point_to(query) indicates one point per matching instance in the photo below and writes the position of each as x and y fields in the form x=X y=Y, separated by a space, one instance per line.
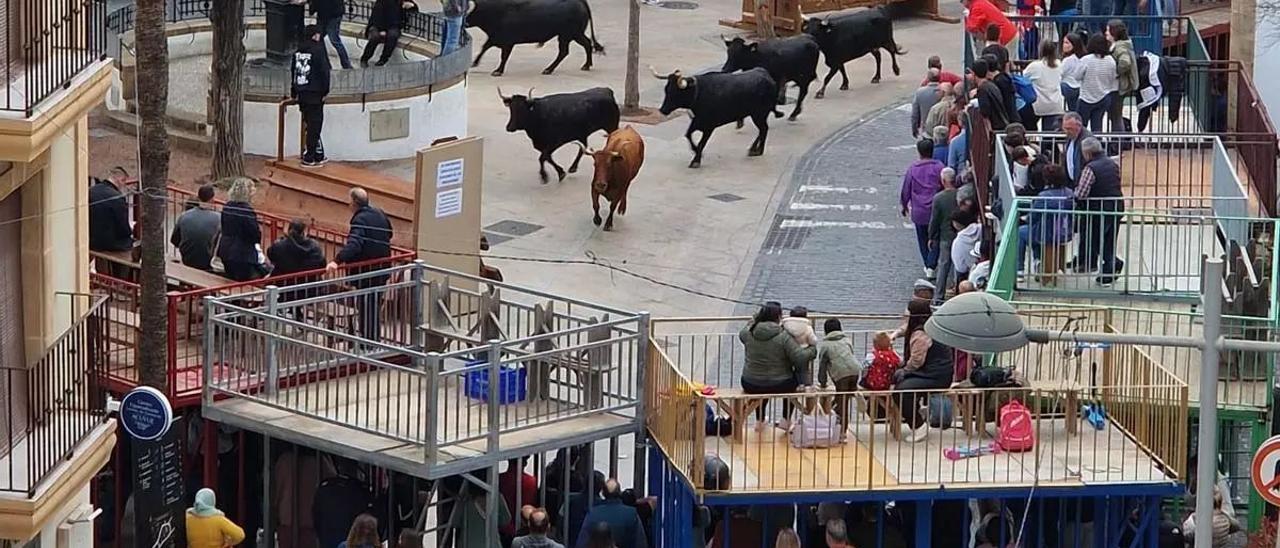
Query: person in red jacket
x=982 y=13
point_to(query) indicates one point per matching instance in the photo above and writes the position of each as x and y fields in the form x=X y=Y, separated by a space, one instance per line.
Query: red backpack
x=1016 y=433
x=879 y=374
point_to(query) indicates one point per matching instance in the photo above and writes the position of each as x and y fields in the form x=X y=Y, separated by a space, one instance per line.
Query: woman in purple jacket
x=922 y=181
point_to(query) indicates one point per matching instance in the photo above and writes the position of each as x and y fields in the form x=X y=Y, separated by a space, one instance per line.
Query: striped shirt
x=1098 y=78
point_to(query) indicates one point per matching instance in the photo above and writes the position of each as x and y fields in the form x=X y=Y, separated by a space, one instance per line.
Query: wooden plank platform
x=873 y=460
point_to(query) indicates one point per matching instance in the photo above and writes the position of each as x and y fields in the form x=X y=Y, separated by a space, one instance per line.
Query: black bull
x=556 y=120
x=716 y=99
x=847 y=37
x=507 y=23
x=793 y=59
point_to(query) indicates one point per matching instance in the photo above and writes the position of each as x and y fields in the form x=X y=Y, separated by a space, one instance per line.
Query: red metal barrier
x=185 y=309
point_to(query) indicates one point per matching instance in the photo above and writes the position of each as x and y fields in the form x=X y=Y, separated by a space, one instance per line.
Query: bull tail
x=898 y=49
x=591 y=23
x=777 y=113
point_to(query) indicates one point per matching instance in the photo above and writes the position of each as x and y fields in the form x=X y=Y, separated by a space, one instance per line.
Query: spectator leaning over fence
x=982 y=13
x=368 y=239
x=195 y=232
x=924 y=99
x=329 y=20
x=1073 y=51
x=1045 y=74
x=838 y=363
x=774 y=361
x=921 y=182
x=1098 y=82
x=384 y=28
x=944 y=76
x=310 y=85
x=1126 y=72
x=1098 y=192
x=942 y=233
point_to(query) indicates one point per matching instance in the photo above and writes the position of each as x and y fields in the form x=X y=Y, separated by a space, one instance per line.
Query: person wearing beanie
x=207 y=526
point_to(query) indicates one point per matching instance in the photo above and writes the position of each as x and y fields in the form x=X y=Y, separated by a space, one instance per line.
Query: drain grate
x=790 y=237
x=726 y=197
x=513 y=228
x=494 y=238
x=678 y=5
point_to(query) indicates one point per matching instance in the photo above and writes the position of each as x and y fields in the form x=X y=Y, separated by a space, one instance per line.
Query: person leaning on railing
x=368 y=239
x=774 y=361
x=1099 y=191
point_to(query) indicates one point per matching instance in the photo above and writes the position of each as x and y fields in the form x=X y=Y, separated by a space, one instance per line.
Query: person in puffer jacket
x=798 y=325
x=837 y=361
x=774 y=361
x=293 y=253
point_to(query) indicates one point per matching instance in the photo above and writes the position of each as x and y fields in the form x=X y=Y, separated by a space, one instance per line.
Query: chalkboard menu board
x=159 y=501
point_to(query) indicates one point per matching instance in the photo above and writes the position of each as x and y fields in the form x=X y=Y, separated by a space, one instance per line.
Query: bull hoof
x=845 y=87
x=755 y=152
x=820 y=95
x=781 y=101
x=560 y=177
x=695 y=164
x=572 y=169
x=740 y=124
x=548 y=71
x=495 y=73
x=596 y=220
x=897 y=72
x=608 y=227
x=586 y=67
x=791 y=118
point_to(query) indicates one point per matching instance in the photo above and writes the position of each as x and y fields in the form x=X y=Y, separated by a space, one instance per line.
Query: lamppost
x=983 y=323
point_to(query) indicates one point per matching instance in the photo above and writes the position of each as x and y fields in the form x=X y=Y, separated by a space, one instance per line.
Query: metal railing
x=48 y=407
x=1148 y=32
x=46 y=45
x=273 y=81
x=185 y=306
x=1123 y=420
x=418 y=363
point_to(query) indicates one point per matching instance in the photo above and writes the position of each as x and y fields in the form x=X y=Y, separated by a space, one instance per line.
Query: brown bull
x=616 y=165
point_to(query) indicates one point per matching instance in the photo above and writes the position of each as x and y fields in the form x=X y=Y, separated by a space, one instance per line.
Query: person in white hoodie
x=968 y=232
x=799 y=327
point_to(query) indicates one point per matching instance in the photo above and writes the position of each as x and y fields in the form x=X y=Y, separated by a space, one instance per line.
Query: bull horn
x=503 y=97
x=655 y=73
x=529 y=93
x=586 y=149
x=723 y=39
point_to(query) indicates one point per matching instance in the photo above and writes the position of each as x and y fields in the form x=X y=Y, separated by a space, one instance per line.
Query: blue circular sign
x=145 y=413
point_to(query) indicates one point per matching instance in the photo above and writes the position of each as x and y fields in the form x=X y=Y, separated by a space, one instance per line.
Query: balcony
x=54 y=430
x=46 y=47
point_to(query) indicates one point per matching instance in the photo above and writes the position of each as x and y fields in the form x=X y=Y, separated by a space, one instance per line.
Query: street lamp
x=982 y=323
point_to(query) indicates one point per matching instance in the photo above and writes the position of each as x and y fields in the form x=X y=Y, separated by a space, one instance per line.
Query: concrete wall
x=346 y=126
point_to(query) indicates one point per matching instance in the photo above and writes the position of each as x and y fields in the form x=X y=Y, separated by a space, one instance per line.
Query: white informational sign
x=448 y=173
x=448 y=203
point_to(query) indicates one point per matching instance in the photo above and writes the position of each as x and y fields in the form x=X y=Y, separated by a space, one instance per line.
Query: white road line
x=905 y=107
x=838 y=189
x=808 y=206
x=806 y=223
x=900 y=147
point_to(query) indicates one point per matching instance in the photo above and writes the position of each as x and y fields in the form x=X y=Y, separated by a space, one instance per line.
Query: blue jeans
x=332 y=28
x=452 y=35
x=929 y=256
x=1072 y=97
x=1093 y=113
x=1024 y=238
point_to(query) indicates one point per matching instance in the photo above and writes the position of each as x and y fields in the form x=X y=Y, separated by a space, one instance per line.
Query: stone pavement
x=838 y=242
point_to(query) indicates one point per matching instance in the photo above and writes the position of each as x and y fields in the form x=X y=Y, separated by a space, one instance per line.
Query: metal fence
x=401 y=374
x=1132 y=429
x=273 y=81
x=50 y=406
x=46 y=45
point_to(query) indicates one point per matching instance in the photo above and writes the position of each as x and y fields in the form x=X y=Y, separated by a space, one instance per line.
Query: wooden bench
x=739 y=406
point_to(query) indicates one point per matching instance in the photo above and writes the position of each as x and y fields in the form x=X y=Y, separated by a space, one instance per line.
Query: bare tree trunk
x=764 y=20
x=153 y=146
x=631 y=96
x=227 y=91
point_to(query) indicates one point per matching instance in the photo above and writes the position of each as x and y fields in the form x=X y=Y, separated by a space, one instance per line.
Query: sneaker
x=784 y=424
x=310 y=164
x=917 y=435
x=321 y=160
x=1105 y=281
x=928 y=273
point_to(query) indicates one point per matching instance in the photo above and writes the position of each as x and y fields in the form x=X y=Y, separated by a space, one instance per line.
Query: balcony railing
x=46 y=46
x=49 y=407
x=1099 y=415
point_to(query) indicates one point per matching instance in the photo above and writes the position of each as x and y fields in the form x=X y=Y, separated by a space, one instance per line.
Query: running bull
x=616 y=166
x=556 y=120
x=507 y=23
x=793 y=59
x=716 y=99
x=844 y=38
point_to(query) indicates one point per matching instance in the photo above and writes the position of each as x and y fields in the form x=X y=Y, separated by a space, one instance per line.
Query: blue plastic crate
x=513 y=383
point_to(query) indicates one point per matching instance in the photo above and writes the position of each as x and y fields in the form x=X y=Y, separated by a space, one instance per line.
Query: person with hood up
x=838 y=362
x=207 y=526
x=310 y=72
x=1126 y=71
x=296 y=252
x=922 y=181
x=774 y=361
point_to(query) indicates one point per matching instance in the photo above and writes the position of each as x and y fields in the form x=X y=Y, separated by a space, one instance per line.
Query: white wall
x=61 y=189
x=1266 y=61
x=79 y=533
x=346 y=126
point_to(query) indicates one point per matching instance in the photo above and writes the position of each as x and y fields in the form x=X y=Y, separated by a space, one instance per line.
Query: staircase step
x=127 y=122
